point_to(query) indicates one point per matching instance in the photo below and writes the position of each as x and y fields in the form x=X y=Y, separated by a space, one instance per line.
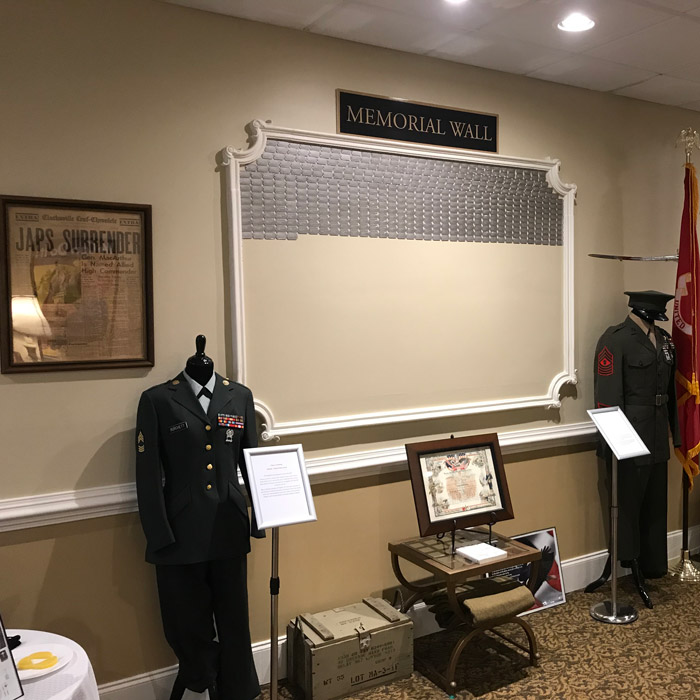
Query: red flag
x=685 y=330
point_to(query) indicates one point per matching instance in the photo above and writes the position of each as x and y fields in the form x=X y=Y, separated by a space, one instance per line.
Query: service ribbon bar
x=231 y=421
x=386 y=118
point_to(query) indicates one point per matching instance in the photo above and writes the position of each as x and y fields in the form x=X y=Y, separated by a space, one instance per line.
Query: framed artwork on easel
x=458 y=483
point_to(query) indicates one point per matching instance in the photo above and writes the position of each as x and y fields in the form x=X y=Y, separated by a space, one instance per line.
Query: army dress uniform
x=639 y=378
x=195 y=519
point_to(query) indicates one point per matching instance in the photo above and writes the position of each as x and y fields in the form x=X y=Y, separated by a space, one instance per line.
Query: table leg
x=419 y=590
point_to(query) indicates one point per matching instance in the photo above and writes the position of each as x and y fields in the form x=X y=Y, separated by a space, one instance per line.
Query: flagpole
x=685 y=569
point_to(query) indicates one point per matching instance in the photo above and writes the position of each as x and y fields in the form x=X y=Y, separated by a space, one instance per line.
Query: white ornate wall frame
x=260 y=135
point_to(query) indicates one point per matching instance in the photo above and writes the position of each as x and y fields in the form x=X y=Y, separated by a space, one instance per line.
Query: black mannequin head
x=649 y=305
x=199 y=366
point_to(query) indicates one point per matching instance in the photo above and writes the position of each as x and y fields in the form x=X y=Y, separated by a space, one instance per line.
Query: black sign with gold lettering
x=385 y=118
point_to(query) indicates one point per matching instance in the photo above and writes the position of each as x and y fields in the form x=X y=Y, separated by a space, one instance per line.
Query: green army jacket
x=639 y=378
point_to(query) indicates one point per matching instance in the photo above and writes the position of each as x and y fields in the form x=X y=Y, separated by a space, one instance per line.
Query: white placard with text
x=279 y=485
x=618 y=432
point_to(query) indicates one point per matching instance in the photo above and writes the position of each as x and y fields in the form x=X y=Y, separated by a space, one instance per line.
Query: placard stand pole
x=608 y=610
x=274 y=594
x=273 y=470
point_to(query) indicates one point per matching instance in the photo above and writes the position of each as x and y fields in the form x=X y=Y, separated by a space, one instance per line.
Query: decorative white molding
x=259 y=132
x=393 y=459
x=577 y=573
x=82 y=504
x=66 y=506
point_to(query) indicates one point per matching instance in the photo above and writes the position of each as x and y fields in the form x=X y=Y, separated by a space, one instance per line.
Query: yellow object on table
x=37 y=660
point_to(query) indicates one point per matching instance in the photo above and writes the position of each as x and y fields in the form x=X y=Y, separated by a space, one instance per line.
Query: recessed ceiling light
x=576 y=22
x=455 y=2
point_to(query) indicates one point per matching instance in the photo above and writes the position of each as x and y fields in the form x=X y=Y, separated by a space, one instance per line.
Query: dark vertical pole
x=274 y=593
x=686 y=491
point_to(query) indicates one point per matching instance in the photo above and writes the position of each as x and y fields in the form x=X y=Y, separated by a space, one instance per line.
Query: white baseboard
x=577 y=573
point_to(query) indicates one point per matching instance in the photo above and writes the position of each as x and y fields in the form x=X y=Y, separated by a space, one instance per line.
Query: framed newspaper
x=76 y=281
x=458 y=483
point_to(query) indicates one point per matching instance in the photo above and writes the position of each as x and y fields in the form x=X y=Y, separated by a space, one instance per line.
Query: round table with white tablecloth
x=71 y=679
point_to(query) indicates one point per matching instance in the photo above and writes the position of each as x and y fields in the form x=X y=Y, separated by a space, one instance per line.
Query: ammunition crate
x=345 y=650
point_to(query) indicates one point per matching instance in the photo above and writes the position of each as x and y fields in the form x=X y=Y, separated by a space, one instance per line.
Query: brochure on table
x=482 y=552
x=618 y=432
x=279 y=485
x=10 y=687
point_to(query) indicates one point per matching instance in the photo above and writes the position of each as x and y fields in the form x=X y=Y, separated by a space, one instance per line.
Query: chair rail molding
x=259 y=134
x=41 y=510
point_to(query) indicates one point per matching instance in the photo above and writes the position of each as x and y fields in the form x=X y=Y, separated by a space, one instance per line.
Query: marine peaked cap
x=649 y=300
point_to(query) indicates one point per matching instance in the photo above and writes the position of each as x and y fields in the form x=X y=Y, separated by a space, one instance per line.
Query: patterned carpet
x=656 y=657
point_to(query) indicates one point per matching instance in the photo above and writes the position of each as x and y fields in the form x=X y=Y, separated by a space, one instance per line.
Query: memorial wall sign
x=395 y=282
x=417 y=122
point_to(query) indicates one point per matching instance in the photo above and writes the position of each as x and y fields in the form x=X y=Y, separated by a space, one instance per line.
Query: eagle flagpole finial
x=689 y=139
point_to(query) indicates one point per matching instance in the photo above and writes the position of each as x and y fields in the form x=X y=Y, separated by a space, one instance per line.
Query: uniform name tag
x=178 y=426
x=229 y=421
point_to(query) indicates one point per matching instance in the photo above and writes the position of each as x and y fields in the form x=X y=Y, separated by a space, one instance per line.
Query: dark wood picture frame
x=76 y=278
x=465 y=453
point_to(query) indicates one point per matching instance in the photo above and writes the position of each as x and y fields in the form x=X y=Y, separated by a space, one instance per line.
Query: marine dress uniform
x=195 y=518
x=637 y=375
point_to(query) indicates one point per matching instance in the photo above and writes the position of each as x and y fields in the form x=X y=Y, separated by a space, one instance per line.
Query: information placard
x=618 y=432
x=279 y=485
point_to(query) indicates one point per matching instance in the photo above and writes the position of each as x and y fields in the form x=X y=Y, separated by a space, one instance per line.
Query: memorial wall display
x=388 y=253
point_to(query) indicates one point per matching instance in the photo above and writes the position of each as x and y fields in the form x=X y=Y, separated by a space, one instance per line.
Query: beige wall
x=366 y=325
x=130 y=100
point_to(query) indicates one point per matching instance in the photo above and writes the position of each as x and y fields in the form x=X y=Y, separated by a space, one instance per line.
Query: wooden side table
x=449 y=572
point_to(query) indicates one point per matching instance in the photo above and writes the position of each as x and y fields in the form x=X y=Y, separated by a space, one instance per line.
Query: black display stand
x=609 y=610
x=624 y=443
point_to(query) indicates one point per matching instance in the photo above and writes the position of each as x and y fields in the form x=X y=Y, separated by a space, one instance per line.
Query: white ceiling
x=647 y=49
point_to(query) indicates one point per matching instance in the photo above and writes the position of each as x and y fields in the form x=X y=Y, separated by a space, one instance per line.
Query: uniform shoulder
x=664 y=332
x=232 y=384
x=158 y=388
x=611 y=330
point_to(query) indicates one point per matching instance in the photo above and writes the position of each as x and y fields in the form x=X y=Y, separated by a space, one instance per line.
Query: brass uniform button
x=208 y=487
x=176 y=382
x=210 y=467
x=207 y=427
x=225 y=382
x=207 y=447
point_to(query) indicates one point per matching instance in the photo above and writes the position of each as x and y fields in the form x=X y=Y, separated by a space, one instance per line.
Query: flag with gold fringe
x=685 y=330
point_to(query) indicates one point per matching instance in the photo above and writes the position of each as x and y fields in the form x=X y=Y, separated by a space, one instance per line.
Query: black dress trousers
x=192 y=598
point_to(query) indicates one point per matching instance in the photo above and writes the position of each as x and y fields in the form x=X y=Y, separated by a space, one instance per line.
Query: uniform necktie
x=204 y=397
